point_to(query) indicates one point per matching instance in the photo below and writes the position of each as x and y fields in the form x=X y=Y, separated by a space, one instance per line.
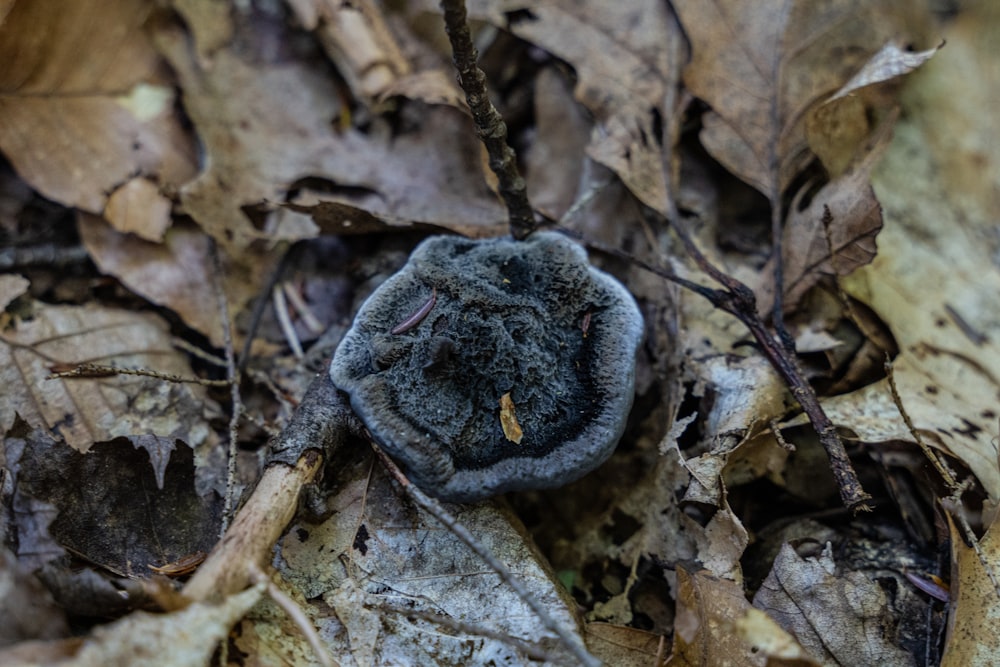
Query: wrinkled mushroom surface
x=478 y=320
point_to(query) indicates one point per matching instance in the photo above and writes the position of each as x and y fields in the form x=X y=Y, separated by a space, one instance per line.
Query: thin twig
x=739 y=300
x=490 y=128
x=197 y=352
x=434 y=508
x=263 y=298
x=285 y=320
x=100 y=370
x=305 y=313
x=531 y=650
x=49 y=255
x=779 y=436
x=946 y=474
x=234 y=389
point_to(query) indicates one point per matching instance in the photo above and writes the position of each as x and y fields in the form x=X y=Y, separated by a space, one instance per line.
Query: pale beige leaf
x=181 y=638
x=889 y=63
x=138 y=207
x=770 y=639
x=953 y=96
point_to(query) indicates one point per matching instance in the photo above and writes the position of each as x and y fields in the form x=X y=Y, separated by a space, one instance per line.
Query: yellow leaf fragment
x=508 y=420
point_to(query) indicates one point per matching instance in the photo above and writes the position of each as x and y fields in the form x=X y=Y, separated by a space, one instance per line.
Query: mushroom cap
x=532 y=319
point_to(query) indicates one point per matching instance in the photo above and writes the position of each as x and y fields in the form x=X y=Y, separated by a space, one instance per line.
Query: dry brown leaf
x=86 y=104
x=432 y=86
x=834 y=235
x=626 y=57
x=837 y=128
x=556 y=158
x=262 y=125
x=341 y=217
x=267 y=125
x=87 y=411
x=178 y=273
x=707 y=609
x=210 y=23
x=763 y=66
x=974 y=613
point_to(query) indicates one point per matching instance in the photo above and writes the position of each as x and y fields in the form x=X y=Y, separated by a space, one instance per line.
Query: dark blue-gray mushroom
x=496 y=365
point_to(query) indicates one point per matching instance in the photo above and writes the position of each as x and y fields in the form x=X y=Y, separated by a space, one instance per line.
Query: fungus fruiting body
x=472 y=341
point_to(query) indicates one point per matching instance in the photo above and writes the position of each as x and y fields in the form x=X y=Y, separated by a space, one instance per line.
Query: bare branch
x=490 y=128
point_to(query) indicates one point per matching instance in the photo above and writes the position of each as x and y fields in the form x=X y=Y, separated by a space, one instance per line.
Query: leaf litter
x=325 y=120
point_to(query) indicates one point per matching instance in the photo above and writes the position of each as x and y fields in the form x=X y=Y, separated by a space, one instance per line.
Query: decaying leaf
x=87 y=411
x=110 y=506
x=378 y=564
x=508 y=420
x=838 y=616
